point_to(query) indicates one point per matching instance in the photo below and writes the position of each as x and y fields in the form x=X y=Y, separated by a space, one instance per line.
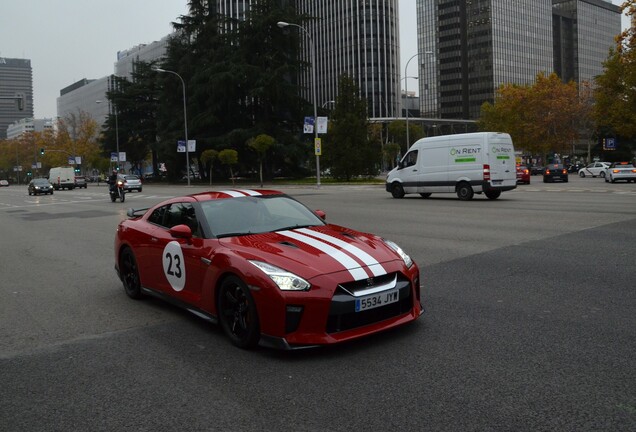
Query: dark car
x=523 y=174
x=536 y=169
x=555 y=172
x=40 y=186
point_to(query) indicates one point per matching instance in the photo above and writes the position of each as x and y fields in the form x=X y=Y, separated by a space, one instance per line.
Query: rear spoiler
x=133 y=213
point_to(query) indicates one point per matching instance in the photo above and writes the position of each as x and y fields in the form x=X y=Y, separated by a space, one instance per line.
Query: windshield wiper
x=234 y=234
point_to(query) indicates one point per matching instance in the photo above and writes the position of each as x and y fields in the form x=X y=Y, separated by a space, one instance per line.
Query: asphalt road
x=530 y=323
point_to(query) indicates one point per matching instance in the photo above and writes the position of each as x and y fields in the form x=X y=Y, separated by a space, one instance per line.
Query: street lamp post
x=283 y=24
x=185 y=118
x=406 y=90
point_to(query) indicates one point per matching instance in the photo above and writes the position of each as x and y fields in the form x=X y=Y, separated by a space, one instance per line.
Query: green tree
x=397 y=132
x=229 y=157
x=347 y=149
x=260 y=145
x=391 y=152
x=207 y=158
x=240 y=81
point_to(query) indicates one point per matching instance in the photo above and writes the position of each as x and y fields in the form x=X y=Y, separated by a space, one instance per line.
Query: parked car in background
x=594 y=169
x=555 y=172
x=40 y=186
x=620 y=171
x=80 y=182
x=523 y=174
x=4 y=183
x=131 y=182
x=536 y=169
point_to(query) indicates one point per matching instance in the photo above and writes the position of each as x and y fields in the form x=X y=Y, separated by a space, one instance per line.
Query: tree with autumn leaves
x=546 y=117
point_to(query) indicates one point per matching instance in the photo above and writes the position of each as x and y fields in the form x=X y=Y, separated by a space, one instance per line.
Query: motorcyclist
x=112 y=181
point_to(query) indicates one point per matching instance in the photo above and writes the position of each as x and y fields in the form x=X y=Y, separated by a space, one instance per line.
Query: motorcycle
x=117 y=191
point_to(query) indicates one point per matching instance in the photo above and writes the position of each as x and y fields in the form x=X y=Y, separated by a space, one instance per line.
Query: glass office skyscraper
x=481 y=44
x=359 y=38
x=16 y=77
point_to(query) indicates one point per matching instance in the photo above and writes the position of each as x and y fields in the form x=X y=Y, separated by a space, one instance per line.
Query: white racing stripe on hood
x=375 y=267
x=345 y=260
x=240 y=193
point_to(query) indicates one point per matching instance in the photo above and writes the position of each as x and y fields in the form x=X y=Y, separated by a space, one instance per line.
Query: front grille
x=342 y=314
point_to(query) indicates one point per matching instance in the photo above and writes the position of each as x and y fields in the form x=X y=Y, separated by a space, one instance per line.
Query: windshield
x=40 y=182
x=256 y=214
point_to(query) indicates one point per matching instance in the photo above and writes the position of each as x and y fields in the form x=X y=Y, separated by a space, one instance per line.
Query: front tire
x=465 y=192
x=130 y=274
x=122 y=196
x=397 y=190
x=237 y=313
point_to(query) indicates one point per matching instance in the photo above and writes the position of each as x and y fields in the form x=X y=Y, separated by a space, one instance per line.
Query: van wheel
x=465 y=192
x=493 y=194
x=425 y=195
x=397 y=190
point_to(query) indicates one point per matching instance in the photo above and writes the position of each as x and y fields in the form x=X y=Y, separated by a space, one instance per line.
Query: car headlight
x=407 y=259
x=285 y=280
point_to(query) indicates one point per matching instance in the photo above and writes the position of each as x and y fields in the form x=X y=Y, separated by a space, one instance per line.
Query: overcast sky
x=67 y=40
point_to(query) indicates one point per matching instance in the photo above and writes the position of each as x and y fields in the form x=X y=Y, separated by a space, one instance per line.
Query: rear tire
x=582 y=174
x=465 y=191
x=602 y=174
x=397 y=190
x=493 y=195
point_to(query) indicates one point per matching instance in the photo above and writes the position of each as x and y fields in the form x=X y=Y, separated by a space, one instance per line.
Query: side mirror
x=321 y=214
x=181 y=231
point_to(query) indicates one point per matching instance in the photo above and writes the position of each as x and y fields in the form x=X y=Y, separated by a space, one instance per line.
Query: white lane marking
x=375 y=267
x=345 y=260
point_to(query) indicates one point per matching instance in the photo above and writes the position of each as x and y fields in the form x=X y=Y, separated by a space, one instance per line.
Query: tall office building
x=359 y=38
x=482 y=44
x=584 y=30
x=16 y=78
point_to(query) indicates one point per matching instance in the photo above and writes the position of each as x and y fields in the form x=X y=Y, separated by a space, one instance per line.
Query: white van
x=464 y=164
x=62 y=178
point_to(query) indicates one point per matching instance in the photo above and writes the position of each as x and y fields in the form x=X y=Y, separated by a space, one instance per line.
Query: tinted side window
x=182 y=214
x=157 y=216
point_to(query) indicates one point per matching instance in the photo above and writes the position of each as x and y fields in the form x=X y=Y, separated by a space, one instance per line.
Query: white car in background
x=594 y=169
x=620 y=171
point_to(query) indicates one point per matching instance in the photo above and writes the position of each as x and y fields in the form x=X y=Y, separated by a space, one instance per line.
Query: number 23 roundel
x=174 y=265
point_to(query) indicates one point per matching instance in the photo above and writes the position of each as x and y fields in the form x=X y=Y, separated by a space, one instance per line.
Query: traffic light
x=77 y=170
x=29 y=173
x=42 y=151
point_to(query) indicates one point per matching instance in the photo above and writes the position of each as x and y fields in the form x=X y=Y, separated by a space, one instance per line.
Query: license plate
x=377 y=300
x=497 y=182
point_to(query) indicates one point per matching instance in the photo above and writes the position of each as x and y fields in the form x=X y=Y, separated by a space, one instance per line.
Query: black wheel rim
x=130 y=273
x=236 y=308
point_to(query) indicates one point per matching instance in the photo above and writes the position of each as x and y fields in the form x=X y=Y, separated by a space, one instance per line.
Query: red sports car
x=267 y=268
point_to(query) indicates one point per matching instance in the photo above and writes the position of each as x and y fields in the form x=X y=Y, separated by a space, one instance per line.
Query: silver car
x=131 y=182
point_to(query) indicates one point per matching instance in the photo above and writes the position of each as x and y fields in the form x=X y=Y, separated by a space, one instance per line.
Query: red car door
x=178 y=264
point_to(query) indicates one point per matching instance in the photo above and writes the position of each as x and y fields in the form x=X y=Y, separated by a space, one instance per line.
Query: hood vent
x=287 y=243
